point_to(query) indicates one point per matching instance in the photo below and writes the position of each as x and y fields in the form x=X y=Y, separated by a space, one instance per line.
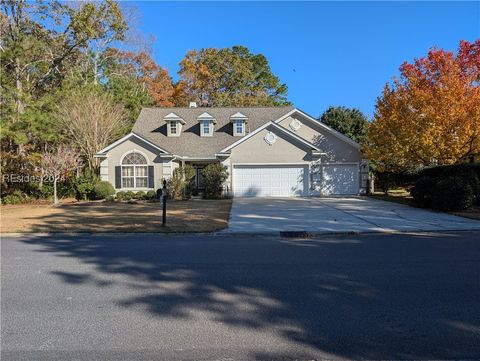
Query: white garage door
x=339 y=179
x=270 y=181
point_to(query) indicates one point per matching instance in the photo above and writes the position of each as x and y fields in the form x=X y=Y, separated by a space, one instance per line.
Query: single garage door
x=339 y=179
x=270 y=181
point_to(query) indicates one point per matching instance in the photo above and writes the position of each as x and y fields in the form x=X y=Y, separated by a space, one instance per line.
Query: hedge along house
x=268 y=151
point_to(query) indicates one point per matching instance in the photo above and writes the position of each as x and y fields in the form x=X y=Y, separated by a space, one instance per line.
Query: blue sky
x=328 y=53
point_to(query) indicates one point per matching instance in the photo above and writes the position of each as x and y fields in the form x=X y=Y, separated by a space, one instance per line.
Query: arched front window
x=134 y=171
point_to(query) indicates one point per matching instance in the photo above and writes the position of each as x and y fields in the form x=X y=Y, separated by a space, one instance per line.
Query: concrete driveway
x=328 y=215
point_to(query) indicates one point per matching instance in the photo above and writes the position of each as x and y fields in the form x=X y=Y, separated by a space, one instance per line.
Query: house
x=268 y=151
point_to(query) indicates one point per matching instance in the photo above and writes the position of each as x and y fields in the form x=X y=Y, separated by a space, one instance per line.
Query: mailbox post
x=164 y=203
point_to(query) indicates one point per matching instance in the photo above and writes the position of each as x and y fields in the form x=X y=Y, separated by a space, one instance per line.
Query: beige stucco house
x=268 y=151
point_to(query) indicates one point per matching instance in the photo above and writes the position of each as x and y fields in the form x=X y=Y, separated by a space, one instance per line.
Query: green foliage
x=139 y=195
x=121 y=196
x=177 y=185
x=110 y=199
x=214 y=176
x=129 y=195
x=349 y=121
x=150 y=195
x=453 y=194
x=85 y=186
x=16 y=197
x=423 y=191
x=389 y=180
x=230 y=77
x=431 y=187
x=103 y=189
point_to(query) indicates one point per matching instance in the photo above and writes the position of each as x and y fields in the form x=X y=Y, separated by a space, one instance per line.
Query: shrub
x=84 y=187
x=453 y=194
x=44 y=191
x=177 y=185
x=470 y=178
x=444 y=171
x=468 y=174
x=110 y=199
x=120 y=195
x=151 y=195
x=388 y=180
x=103 y=189
x=422 y=191
x=214 y=176
x=129 y=195
x=16 y=197
x=139 y=195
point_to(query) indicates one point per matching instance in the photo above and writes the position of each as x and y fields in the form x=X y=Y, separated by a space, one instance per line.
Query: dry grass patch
x=401 y=196
x=98 y=217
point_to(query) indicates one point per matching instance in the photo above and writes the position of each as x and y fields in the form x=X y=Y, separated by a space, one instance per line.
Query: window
x=134 y=171
x=206 y=127
x=173 y=127
x=239 y=126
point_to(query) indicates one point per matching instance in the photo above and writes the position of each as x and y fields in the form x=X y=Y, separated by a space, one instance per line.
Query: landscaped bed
x=98 y=217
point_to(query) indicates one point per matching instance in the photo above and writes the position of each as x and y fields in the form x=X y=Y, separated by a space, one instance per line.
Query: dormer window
x=206 y=127
x=173 y=128
x=239 y=126
x=174 y=124
x=238 y=120
x=206 y=124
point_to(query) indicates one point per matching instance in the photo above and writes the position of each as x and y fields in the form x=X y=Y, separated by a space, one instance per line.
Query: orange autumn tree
x=430 y=114
x=153 y=79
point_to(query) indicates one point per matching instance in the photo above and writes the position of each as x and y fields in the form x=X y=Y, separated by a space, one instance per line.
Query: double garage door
x=292 y=180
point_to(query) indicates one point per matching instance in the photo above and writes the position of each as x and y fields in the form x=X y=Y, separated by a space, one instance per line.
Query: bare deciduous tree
x=58 y=164
x=91 y=122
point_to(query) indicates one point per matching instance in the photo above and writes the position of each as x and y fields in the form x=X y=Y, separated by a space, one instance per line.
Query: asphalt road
x=156 y=297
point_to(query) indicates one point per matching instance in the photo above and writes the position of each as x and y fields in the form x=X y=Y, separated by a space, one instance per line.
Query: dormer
x=206 y=124
x=174 y=124
x=239 y=122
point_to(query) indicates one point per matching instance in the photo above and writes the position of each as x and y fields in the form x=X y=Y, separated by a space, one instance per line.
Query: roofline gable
x=124 y=138
x=322 y=125
x=276 y=126
x=173 y=117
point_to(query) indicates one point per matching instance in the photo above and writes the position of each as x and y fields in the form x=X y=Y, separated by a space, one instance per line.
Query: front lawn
x=98 y=217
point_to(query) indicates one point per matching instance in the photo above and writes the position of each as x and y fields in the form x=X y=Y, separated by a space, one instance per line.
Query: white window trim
x=203 y=123
x=134 y=171
x=236 y=122
x=173 y=125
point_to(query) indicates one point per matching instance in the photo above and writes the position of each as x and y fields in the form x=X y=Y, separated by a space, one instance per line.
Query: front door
x=199 y=181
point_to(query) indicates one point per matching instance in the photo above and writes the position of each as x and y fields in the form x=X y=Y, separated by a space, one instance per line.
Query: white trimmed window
x=239 y=125
x=206 y=127
x=134 y=171
x=173 y=127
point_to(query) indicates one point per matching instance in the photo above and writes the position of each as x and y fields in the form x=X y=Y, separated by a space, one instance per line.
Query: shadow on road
x=394 y=297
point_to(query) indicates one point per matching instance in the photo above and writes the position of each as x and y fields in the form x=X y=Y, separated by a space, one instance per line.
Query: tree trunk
x=55 y=198
x=20 y=108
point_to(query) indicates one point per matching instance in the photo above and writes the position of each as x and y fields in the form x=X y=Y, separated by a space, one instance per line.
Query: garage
x=339 y=179
x=270 y=180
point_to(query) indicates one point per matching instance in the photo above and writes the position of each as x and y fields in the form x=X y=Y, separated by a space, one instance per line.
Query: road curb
x=281 y=234
x=315 y=234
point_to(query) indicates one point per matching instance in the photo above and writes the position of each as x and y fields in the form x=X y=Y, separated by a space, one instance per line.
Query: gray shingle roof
x=151 y=125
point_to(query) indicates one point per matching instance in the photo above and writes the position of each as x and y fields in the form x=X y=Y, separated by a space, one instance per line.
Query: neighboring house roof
x=152 y=126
